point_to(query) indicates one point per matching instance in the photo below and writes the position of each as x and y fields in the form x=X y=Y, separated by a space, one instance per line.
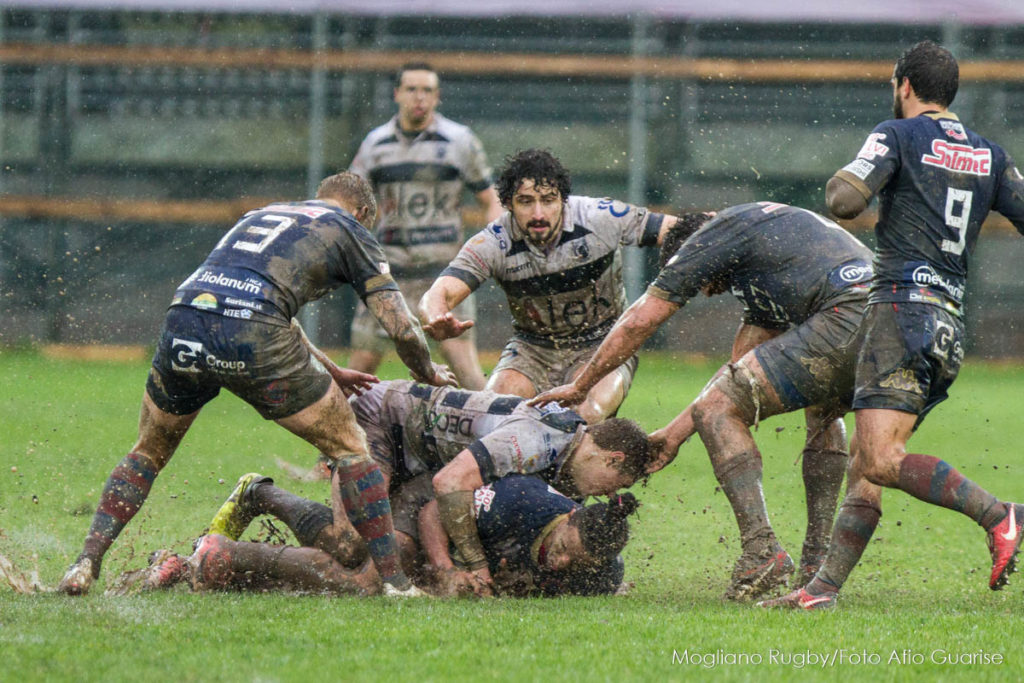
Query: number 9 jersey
x=936 y=182
x=277 y=258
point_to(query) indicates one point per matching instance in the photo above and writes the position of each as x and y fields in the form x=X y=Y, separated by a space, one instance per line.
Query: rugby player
x=802 y=280
x=937 y=181
x=419 y=163
x=557 y=256
x=230 y=325
x=538 y=542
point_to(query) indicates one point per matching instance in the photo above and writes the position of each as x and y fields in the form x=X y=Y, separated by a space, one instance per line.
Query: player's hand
x=442 y=377
x=483 y=585
x=352 y=382
x=567 y=395
x=663 y=451
x=457 y=583
x=446 y=326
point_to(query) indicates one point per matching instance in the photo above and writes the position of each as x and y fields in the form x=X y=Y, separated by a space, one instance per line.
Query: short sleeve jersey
x=936 y=181
x=783 y=263
x=431 y=425
x=572 y=293
x=282 y=256
x=512 y=513
x=419 y=184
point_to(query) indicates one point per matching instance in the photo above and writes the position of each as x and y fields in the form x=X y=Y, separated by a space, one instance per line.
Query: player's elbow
x=843 y=199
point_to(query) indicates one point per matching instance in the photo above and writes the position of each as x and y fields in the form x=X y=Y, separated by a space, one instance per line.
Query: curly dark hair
x=620 y=434
x=687 y=224
x=932 y=70
x=603 y=527
x=538 y=165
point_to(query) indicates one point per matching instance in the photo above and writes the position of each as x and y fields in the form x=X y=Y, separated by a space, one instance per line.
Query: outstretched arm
x=631 y=330
x=351 y=382
x=391 y=311
x=446 y=293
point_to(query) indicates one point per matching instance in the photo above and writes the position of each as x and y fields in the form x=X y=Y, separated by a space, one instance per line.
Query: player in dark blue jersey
x=802 y=280
x=936 y=181
x=230 y=325
x=538 y=542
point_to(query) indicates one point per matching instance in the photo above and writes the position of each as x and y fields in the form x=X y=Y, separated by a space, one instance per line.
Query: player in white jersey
x=419 y=164
x=558 y=258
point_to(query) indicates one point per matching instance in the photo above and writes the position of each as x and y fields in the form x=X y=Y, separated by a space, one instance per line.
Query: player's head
x=687 y=224
x=932 y=72
x=417 y=94
x=612 y=455
x=353 y=193
x=533 y=185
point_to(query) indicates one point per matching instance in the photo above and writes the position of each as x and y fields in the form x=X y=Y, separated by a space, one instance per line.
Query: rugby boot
x=411 y=592
x=1004 y=544
x=801 y=599
x=756 y=573
x=78 y=579
x=209 y=567
x=238 y=510
x=811 y=559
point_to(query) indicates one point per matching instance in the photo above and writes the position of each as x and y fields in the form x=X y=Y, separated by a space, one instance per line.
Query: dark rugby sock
x=855 y=524
x=823 y=472
x=305 y=518
x=124 y=493
x=740 y=479
x=365 y=498
x=935 y=481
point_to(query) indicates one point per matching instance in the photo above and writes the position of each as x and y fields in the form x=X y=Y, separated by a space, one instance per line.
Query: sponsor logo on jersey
x=449 y=424
x=384 y=268
x=855 y=273
x=581 y=250
x=953 y=129
x=959 y=158
x=249 y=286
x=243 y=313
x=231 y=301
x=205 y=301
x=860 y=168
x=499 y=234
x=925 y=276
x=482 y=499
x=873 y=147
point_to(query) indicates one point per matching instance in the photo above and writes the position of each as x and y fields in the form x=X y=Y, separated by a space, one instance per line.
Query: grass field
x=918 y=601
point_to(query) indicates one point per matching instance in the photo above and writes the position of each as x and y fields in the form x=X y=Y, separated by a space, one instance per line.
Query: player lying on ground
x=538 y=542
x=936 y=181
x=230 y=325
x=802 y=280
x=558 y=258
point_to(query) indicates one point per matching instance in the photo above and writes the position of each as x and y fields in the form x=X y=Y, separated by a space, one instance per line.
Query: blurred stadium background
x=134 y=132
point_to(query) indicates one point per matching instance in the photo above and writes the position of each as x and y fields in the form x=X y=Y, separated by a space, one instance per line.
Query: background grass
x=922 y=586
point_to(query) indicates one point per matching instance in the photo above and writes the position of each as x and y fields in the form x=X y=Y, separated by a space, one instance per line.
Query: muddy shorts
x=912 y=353
x=548 y=368
x=407 y=499
x=267 y=366
x=814 y=363
x=368 y=335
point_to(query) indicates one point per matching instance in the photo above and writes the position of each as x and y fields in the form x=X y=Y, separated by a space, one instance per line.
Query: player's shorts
x=549 y=368
x=815 y=362
x=912 y=353
x=368 y=335
x=267 y=366
x=407 y=499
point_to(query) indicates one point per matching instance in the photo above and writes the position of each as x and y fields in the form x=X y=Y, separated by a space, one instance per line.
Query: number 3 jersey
x=279 y=257
x=573 y=293
x=936 y=181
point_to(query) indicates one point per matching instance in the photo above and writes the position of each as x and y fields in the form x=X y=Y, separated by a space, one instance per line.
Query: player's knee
x=880 y=463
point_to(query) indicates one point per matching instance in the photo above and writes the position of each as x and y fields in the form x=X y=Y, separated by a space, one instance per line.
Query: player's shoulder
x=383 y=133
x=452 y=129
x=496 y=237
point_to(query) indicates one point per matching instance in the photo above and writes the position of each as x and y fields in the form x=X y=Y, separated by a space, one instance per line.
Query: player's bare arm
x=631 y=330
x=843 y=199
x=436 y=306
x=394 y=316
x=450 y=580
x=453 y=489
x=351 y=382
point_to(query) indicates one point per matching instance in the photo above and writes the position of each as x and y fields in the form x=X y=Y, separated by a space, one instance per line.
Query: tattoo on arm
x=391 y=311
